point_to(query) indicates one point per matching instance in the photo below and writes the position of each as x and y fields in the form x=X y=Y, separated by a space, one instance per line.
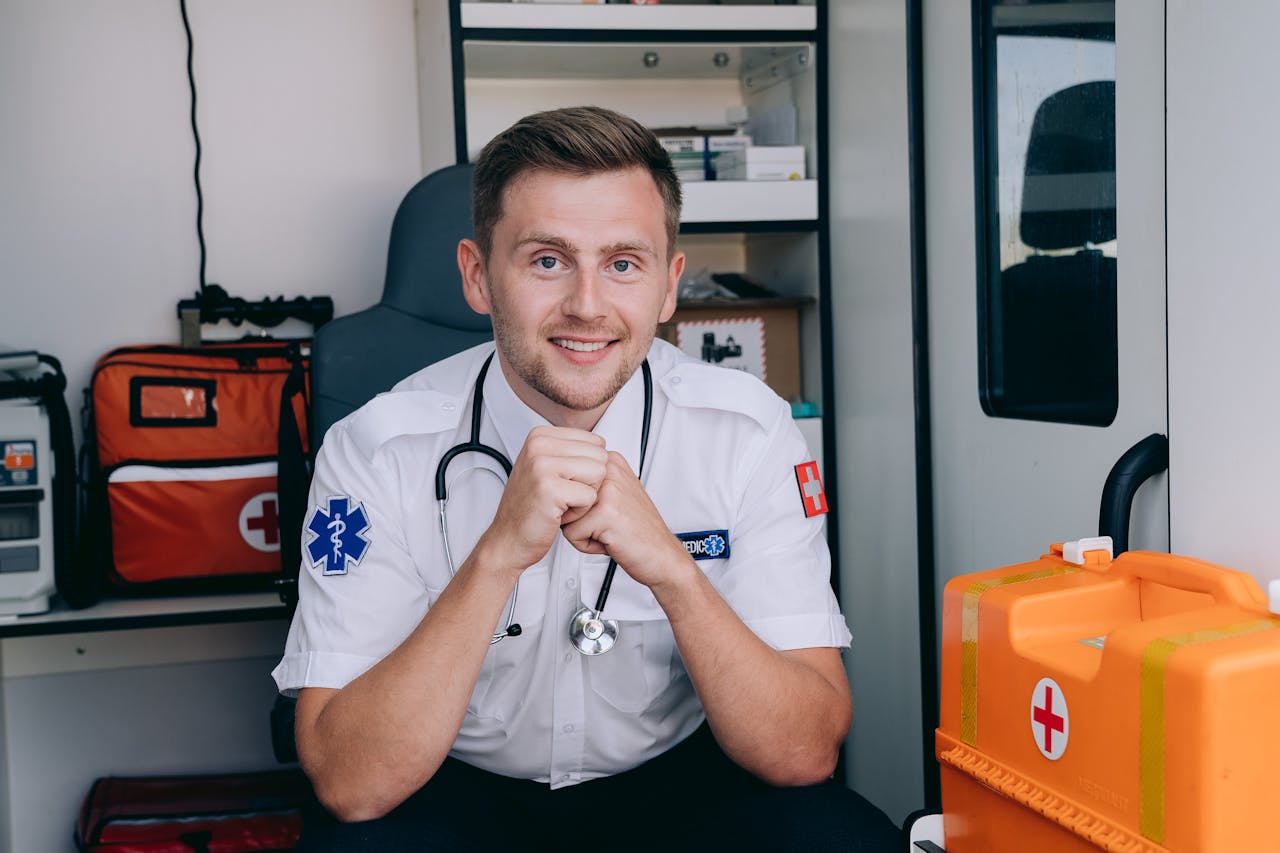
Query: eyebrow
x=569 y=248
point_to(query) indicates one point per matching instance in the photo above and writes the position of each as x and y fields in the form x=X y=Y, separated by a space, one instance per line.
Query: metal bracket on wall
x=787 y=64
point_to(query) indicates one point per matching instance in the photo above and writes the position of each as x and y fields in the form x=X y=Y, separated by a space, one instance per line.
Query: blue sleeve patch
x=339 y=541
x=706 y=544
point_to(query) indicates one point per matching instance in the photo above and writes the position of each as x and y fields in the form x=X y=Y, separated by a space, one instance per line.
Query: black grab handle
x=1139 y=463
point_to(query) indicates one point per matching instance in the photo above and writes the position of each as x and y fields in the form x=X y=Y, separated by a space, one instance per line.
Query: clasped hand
x=566 y=479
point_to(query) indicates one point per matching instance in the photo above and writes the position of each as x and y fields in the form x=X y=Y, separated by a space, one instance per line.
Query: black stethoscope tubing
x=474 y=445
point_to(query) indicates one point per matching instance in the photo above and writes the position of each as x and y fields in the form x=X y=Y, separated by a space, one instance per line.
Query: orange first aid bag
x=1122 y=705
x=199 y=468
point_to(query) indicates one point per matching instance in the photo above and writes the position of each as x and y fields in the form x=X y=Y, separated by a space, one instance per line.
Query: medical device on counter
x=37 y=480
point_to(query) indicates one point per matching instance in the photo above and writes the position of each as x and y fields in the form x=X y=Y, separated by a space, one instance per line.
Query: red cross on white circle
x=260 y=522
x=1050 y=722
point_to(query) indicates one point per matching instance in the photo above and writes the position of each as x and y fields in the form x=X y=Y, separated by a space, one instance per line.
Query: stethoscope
x=588 y=632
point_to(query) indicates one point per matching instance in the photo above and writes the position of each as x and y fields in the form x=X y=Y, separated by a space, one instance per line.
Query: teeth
x=581 y=346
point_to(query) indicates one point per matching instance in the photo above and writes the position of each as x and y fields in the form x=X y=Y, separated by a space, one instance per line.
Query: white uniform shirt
x=722 y=459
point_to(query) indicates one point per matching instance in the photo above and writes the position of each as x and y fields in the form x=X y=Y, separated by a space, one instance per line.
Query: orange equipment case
x=1125 y=705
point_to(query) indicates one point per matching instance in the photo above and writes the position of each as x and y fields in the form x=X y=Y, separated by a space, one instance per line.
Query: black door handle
x=1138 y=464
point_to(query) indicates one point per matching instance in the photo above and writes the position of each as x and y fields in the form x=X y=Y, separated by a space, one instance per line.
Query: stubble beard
x=535 y=373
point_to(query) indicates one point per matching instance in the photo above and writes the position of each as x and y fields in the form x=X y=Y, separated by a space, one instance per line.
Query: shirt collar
x=512 y=420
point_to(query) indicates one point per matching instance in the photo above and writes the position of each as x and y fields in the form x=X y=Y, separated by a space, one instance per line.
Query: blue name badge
x=706 y=544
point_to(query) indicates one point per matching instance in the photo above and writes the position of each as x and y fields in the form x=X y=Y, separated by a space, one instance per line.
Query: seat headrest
x=422 y=269
x=1069 y=195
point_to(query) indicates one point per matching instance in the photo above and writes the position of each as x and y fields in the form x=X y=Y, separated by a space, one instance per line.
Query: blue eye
x=621 y=266
x=547 y=262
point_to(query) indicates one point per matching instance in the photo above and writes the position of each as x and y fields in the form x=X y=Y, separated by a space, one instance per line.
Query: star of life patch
x=812 y=495
x=339 y=541
x=706 y=544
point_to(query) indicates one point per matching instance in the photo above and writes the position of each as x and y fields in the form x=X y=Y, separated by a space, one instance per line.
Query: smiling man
x=638 y=647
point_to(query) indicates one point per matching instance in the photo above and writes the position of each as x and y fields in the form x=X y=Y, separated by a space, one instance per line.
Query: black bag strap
x=293 y=478
x=82 y=584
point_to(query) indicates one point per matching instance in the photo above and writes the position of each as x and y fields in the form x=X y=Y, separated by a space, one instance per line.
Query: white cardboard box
x=762 y=163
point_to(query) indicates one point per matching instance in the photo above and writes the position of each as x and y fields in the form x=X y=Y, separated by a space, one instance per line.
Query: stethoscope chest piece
x=590 y=634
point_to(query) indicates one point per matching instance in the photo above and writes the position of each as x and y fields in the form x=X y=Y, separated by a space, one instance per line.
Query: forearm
x=780 y=715
x=370 y=745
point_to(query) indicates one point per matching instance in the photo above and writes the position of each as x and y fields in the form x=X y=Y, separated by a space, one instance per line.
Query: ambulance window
x=1046 y=203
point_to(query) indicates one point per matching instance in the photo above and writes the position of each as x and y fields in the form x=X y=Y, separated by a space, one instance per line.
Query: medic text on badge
x=706 y=545
x=339 y=536
x=811 y=493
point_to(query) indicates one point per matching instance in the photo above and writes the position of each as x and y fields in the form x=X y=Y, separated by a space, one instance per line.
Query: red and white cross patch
x=811 y=493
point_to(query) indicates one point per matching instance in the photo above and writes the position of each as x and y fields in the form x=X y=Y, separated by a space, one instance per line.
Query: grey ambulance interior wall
x=154 y=701
x=874 y=405
x=1223 y=301
x=308 y=116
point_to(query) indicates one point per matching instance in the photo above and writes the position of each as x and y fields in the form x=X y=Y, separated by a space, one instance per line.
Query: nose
x=586 y=298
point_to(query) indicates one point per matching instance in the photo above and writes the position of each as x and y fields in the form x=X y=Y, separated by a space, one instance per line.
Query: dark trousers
x=690 y=798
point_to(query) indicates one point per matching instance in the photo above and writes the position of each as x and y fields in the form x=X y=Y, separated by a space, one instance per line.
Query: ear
x=474 y=282
x=674 y=270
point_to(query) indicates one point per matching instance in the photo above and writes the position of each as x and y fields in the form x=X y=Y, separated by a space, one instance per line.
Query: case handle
x=1226 y=586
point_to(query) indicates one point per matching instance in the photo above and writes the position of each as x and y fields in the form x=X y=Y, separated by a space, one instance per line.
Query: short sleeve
x=359 y=593
x=778 y=577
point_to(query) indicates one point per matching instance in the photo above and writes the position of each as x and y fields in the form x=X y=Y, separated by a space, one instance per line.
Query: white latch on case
x=1073 y=552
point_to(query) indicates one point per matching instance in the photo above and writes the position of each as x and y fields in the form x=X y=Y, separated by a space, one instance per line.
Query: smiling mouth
x=580 y=346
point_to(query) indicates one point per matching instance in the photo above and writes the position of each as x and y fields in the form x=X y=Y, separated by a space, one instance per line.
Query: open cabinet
x=758 y=66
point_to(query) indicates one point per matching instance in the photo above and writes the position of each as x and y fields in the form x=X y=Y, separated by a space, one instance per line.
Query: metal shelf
x=579 y=16
x=749 y=201
x=118 y=614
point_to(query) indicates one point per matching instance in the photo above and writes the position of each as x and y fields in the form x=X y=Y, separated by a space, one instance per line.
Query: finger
x=582 y=533
x=574 y=497
x=566 y=435
x=588 y=546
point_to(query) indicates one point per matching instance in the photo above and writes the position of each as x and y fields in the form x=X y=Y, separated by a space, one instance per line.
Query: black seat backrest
x=422 y=316
x=1057 y=327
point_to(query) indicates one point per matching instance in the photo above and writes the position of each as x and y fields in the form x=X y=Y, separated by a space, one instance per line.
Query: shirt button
x=568 y=657
x=675 y=380
x=448 y=405
x=571 y=583
x=568 y=728
x=564 y=778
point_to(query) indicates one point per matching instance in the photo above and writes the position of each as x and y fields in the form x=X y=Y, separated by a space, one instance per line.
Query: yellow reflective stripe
x=969 y=642
x=1151 y=731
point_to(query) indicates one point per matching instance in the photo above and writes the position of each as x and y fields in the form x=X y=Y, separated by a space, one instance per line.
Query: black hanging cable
x=195 y=131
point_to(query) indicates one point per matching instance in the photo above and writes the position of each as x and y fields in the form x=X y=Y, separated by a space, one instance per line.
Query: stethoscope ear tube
x=588 y=633
x=442 y=469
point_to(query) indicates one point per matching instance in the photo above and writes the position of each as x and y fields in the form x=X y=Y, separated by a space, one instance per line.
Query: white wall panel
x=309 y=121
x=1223 y=348
x=874 y=401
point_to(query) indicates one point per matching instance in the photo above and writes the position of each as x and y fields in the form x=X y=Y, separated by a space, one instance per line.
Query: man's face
x=576 y=281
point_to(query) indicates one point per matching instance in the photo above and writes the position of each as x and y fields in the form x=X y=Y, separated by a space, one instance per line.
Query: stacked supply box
x=696 y=157
x=762 y=163
x=1123 y=705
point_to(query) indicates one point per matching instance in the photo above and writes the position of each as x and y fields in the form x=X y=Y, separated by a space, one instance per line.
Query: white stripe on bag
x=153 y=473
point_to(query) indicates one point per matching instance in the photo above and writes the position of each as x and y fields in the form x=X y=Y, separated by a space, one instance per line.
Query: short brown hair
x=576 y=140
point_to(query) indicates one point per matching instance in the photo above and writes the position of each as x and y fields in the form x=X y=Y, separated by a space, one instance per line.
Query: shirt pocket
x=508 y=663
x=637 y=671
